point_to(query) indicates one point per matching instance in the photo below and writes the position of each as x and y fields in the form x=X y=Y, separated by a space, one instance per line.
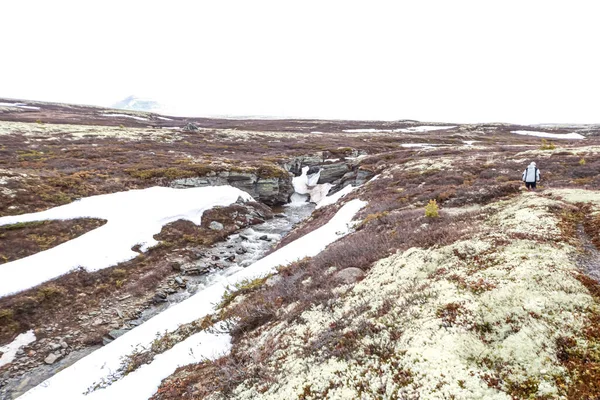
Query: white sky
x=522 y=61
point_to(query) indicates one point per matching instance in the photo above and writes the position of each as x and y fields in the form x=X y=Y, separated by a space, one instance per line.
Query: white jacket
x=531 y=174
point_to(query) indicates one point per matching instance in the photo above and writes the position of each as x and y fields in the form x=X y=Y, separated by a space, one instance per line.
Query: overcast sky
x=522 y=61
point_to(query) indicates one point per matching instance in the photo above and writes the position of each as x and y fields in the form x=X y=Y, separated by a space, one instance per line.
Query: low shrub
x=432 y=209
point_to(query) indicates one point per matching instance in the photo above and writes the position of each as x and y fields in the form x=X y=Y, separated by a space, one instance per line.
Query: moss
x=243 y=287
x=30 y=155
x=49 y=294
x=22 y=225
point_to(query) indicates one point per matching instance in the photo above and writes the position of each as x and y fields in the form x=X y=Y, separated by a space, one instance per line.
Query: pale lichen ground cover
x=475 y=319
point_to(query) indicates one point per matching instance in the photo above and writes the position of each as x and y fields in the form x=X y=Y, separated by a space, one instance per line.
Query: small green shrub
x=49 y=294
x=547 y=145
x=582 y=161
x=432 y=209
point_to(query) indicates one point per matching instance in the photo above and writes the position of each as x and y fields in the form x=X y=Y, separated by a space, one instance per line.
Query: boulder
x=333 y=172
x=349 y=275
x=52 y=358
x=216 y=226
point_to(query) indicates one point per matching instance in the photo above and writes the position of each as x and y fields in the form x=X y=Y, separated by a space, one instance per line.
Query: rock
x=243 y=237
x=117 y=333
x=280 y=215
x=160 y=297
x=333 y=172
x=216 y=226
x=98 y=322
x=349 y=275
x=179 y=281
x=265 y=238
x=215 y=258
x=190 y=127
x=54 y=346
x=52 y=358
x=231 y=258
x=273 y=280
x=175 y=265
x=272 y=191
x=241 y=251
x=64 y=344
x=106 y=340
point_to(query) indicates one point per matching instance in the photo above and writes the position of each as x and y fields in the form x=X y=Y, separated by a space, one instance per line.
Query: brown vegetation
x=24 y=239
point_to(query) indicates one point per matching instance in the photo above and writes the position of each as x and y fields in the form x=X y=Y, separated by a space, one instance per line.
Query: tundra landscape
x=145 y=256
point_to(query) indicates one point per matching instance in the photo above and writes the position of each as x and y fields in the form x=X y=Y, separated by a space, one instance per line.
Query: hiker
x=531 y=176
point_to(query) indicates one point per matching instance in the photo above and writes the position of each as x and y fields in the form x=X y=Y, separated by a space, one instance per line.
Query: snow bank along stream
x=134 y=217
x=72 y=382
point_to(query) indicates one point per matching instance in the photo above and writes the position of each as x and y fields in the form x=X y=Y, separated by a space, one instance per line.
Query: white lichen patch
x=429 y=164
x=477 y=319
x=577 y=195
x=42 y=132
x=538 y=153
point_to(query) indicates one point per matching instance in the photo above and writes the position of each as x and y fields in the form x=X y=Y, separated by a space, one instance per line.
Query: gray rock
x=64 y=344
x=106 y=340
x=332 y=172
x=52 y=358
x=190 y=127
x=216 y=226
x=117 y=333
x=265 y=238
x=54 y=346
x=272 y=191
x=175 y=265
x=179 y=281
x=349 y=275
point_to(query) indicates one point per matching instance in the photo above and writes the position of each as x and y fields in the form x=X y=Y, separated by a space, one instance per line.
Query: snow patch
x=412 y=129
x=419 y=145
x=125 y=116
x=10 y=350
x=164 y=118
x=73 y=381
x=571 y=135
x=335 y=197
x=134 y=217
x=19 y=105
x=307 y=185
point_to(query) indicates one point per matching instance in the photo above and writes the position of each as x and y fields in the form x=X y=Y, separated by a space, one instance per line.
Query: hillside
x=203 y=272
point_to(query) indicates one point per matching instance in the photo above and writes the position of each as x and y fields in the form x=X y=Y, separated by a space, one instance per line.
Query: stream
x=237 y=252
x=240 y=250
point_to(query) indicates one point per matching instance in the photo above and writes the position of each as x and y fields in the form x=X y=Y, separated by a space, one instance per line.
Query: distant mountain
x=137 y=104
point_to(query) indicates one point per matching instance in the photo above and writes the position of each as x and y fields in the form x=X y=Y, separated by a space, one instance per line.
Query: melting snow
x=307 y=185
x=10 y=350
x=571 y=135
x=142 y=383
x=125 y=116
x=134 y=217
x=412 y=129
x=335 y=197
x=164 y=118
x=421 y=145
x=19 y=105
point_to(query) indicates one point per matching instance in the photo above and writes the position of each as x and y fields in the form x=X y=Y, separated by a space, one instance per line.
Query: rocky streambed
x=192 y=274
x=223 y=259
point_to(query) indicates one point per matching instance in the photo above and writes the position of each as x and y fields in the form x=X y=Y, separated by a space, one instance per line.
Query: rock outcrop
x=271 y=191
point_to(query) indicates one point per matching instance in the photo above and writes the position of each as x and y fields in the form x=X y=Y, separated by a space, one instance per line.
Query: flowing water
x=223 y=259
x=237 y=252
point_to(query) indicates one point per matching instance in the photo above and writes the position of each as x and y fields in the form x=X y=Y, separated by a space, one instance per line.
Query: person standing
x=531 y=176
